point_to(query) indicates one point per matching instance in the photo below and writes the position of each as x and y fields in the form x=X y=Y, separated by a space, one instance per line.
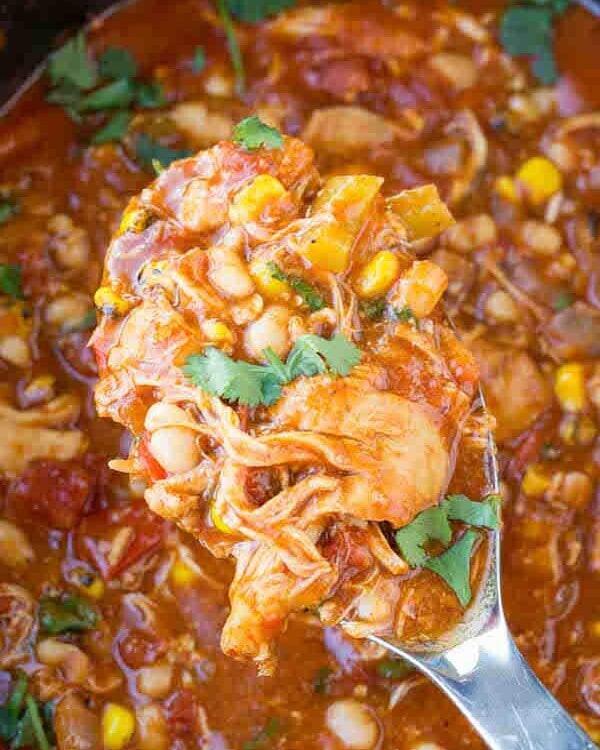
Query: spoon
x=480 y=669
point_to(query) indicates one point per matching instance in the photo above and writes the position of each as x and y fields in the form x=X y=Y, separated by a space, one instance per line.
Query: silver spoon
x=480 y=669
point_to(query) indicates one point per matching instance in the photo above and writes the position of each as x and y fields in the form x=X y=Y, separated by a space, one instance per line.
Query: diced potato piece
x=250 y=203
x=378 y=275
x=536 y=481
x=569 y=386
x=540 y=179
x=265 y=282
x=421 y=288
x=327 y=246
x=421 y=211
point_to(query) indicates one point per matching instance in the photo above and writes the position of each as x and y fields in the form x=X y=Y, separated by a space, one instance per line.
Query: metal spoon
x=479 y=667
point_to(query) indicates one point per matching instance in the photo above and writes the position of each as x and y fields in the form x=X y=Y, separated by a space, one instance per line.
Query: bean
x=175 y=449
x=353 y=723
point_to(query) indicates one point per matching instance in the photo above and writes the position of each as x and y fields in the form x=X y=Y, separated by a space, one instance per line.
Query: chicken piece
x=33 y=434
x=17 y=619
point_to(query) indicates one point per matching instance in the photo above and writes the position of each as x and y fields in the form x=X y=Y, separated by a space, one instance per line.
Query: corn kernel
x=327 y=246
x=378 y=275
x=540 y=179
x=118 y=725
x=110 y=303
x=216 y=330
x=505 y=187
x=182 y=574
x=249 y=204
x=265 y=282
x=569 y=386
x=218 y=520
x=136 y=220
x=93 y=587
x=422 y=212
x=536 y=481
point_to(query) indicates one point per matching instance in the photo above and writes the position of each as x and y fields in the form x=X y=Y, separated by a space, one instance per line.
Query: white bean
x=229 y=273
x=471 y=233
x=152 y=732
x=165 y=415
x=71 y=660
x=353 y=723
x=15 y=350
x=175 y=449
x=540 y=237
x=270 y=330
x=15 y=550
x=68 y=309
x=155 y=681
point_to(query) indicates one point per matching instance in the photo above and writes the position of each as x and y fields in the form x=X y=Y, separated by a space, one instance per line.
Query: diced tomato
x=154 y=469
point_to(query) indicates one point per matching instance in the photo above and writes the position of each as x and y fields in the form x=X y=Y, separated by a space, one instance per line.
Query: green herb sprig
x=67 y=614
x=311 y=297
x=252 y=133
x=527 y=28
x=11 y=282
x=252 y=385
x=24 y=722
x=433 y=524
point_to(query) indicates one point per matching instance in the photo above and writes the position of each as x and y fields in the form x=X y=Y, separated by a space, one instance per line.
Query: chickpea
x=540 y=238
x=15 y=350
x=458 y=70
x=71 y=660
x=472 y=233
x=248 y=310
x=270 y=330
x=15 y=550
x=161 y=414
x=67 y=310
x=152 y=732
x=500 y=307
x=199 y=210
x=175 y=449
x=155 y=681
x=229 y=273
x=71 y=243
x=353 y=723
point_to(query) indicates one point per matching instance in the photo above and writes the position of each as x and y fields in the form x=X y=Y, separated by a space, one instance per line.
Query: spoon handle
x=493 y=686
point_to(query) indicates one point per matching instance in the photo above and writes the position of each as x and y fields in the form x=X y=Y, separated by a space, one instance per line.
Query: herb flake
x=11 y=282
x=67 y=614
x=454 y=566
x=310 y=296
x=252 y=133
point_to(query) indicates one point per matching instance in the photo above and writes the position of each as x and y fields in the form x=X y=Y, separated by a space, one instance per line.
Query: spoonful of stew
x=300 y=403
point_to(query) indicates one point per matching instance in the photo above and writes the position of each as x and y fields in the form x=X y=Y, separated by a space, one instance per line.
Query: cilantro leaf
x=253 y=11
x=148 y=151
x=199 y=60
x=9 y=207
x=430 y=524
x=405 y=315
x=117 y=62
x=114 y=130
x=114 y=95
x=454 y=566
x=525 y=29
x=393 y=669
x=309 y=294
x=373 y=309
x=563 y=300
x=37 y=726
x=11 y=281
x=484 y=513
x=71 y=64
x=68 y=614
x=544 y=66
x=10 y=711
x=150 y=95
x=249 y=384
x=252 y=133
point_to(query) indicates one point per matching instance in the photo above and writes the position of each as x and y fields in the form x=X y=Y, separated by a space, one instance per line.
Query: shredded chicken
x=295 y=493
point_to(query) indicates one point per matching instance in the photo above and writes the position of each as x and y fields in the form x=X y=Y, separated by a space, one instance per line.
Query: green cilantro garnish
x=199 y=60
x=72 y=65
x=251 y=385
x=67 y=614
x=116 y=95
x=454 y=566
x=405 y=315
x=252 y=133
x=237 y=61
x=393 y=669
x=309 y=294
x=9 y=207
x=114 y=129
x=21 y=721
x=373 y=309
x=433 y=524
x=11 y=281
x=117 y=62
x=526 y=28
x=270 y=730
x=150 y=95
x=149 y=153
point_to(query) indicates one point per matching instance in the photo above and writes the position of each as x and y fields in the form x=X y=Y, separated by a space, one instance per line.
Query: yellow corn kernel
x=421 y=288
x=540 y=179
x=110 y=303
x=216 y=330
x=136 y=219
x=118 y=726
x=266 y=283
x=505 y=187
x=569 y=386
x=182 y=574
x=218 y=521
x=327 y=246
x=536 y=481
x=422 y=212
x=249 y=204
x=378 y=275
